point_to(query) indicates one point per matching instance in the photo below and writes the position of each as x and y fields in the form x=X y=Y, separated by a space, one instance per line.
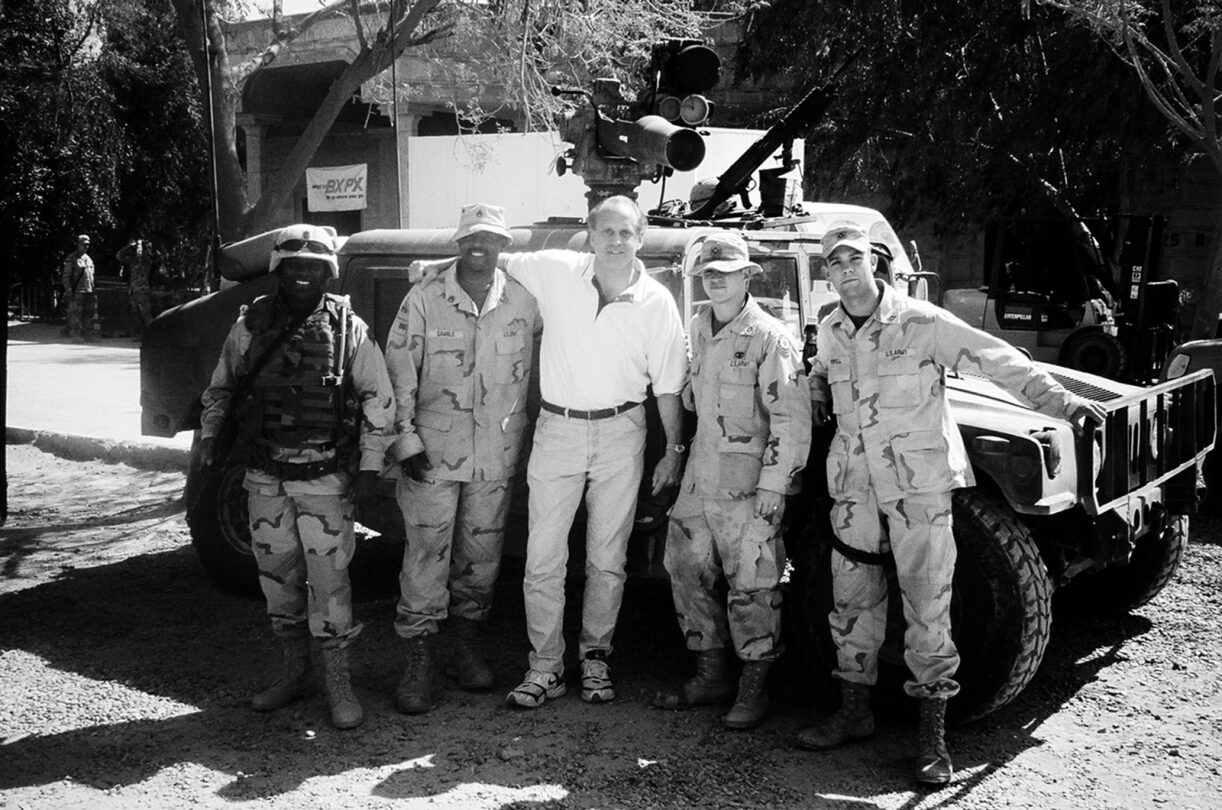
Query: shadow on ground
x=153 y=632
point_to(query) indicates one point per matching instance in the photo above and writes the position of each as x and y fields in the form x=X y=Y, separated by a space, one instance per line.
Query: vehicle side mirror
x=914 y=255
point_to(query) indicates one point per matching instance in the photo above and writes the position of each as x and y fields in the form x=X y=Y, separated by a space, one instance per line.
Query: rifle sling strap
x=858 y=555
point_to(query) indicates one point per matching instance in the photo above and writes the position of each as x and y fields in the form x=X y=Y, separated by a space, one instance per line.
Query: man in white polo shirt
x=610 y=332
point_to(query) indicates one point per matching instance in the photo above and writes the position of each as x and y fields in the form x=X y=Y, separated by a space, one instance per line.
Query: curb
x=88 y=448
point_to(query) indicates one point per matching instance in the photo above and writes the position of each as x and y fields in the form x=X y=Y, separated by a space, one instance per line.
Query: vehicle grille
x=1085 y=389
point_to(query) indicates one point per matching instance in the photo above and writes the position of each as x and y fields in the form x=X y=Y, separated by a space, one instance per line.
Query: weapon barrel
x=652 y=139
x=803 y=114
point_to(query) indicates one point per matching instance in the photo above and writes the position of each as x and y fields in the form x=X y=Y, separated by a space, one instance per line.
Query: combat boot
x=933 y=765
x=852 y=721
x=346 y=711
x=710 y=686
x=414 y=694
x=751 y=705
x=473 y=671
x=295 y=679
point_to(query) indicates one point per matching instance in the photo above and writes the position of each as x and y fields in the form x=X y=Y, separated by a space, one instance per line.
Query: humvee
x=1105 y=512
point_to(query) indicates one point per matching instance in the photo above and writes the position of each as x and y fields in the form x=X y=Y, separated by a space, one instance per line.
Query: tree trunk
x=280 y=189
x=230 y=183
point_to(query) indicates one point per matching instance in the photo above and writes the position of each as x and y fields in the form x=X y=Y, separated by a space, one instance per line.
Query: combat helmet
x=305 y=242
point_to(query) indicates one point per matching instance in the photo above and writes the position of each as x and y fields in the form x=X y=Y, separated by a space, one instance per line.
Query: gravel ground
x=124 y=675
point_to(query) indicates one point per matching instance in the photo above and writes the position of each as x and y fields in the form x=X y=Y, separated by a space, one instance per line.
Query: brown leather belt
x=601 y=413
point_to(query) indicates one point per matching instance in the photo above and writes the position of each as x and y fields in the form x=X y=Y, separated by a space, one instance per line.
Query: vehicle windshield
x=775 y=290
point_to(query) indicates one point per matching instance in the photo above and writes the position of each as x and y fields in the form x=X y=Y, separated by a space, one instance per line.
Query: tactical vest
x=301 y=398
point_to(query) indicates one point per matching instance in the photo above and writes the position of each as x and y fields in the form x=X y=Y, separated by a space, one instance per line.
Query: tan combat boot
x=414 y=694
x=710 y=686
x=751 y=705
x=295 y=681
x=473 y=671
x=933 y=765
x=852 y=721
x=346 y=711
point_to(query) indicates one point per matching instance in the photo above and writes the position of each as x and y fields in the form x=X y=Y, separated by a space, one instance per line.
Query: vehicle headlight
x=1178 y=366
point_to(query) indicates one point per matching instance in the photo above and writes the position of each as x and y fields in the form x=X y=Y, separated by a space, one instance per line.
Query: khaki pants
x=608 y=454
x=919 y=528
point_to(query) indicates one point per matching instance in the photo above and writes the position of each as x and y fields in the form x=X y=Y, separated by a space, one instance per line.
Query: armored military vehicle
x=1104 y=512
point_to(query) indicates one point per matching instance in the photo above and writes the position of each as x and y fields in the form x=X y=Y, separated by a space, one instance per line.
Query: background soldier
x=138 y=256
x=460 y=357
x=752 y=404
x=880 y=365
x=81 y=302
x=320 y=407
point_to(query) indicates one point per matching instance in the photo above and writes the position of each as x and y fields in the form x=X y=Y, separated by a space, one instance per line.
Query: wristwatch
x=678 y=448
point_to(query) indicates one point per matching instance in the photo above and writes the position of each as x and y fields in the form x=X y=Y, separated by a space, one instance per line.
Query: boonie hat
x=304 y=242
x=479 y=217
x=845 y=232
x=725 y=253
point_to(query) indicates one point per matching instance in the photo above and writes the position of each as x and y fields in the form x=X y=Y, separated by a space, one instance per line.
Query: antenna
x=214 y=247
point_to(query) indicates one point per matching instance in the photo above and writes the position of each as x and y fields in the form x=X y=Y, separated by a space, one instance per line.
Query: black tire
x=220 y=526
x=1118 y=589
x=1000 y=609
x=1095 y=353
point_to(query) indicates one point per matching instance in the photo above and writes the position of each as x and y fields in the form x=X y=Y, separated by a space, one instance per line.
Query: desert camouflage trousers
x=918 y=530
x=141 y=301
x=709 y=539
x=81 y=312
x=452 y=555
x=303 y=544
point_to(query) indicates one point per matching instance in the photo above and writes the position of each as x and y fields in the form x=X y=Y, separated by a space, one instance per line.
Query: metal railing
x=34 y=302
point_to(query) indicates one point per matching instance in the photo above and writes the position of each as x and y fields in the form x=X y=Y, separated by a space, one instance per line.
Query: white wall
x=517 y=171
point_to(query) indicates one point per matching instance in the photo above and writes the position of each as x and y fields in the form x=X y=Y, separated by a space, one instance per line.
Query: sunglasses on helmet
x=310 y=245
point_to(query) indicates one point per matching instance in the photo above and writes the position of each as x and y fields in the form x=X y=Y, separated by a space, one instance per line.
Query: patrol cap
x=479 y=217
x=304 y=242
x=848 y=233
x=725 y=253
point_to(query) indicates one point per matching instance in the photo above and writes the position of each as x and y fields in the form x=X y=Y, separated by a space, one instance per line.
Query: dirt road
x=123 y=676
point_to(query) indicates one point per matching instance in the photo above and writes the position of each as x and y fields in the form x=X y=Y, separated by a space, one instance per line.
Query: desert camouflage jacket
x=752 y=406
x=460 y=377
x=76 y=275
x=887 y=385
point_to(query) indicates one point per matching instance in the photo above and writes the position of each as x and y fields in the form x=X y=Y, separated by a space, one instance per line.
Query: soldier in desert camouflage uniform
x=138 y=256
x=317 y=423
x=459 y=355
x=80 y=299
x=752 y=403
x=880 y=365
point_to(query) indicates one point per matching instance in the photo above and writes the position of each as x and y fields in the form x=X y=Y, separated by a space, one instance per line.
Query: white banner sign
x=336 y=188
